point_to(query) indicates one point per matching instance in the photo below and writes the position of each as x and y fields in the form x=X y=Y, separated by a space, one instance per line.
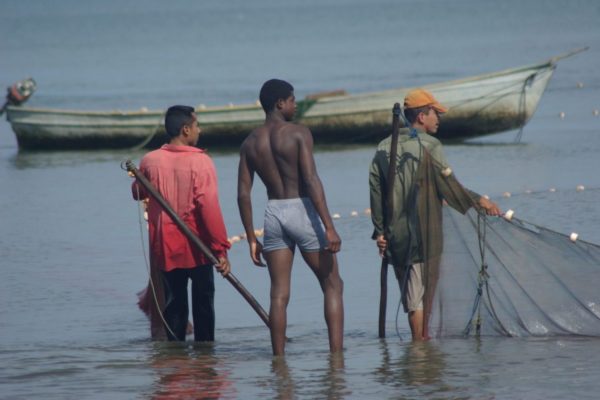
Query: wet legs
x=280 y=269
x=324 y=266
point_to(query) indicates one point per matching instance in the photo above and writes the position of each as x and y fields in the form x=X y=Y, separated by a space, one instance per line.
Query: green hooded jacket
x=402 y=230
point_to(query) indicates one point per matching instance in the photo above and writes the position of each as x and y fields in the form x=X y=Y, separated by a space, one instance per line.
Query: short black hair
x=176 y=117
x=272 y=91
x=411 y=113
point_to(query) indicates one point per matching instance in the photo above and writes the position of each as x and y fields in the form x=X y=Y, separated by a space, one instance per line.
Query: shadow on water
x=31 y=159
x=53 y=159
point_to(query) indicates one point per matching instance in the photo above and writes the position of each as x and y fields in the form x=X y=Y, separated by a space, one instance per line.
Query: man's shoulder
x=295 y=125
x=385 y=144
x=153 y=153
x=407 y=143
x=166 y=156
x=292 y=129
x=288 y=128
x=152 y=156
x=387 y=141
x=252 y=137
x=429 y=139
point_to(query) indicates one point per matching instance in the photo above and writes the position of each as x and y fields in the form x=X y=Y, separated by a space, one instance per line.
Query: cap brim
x=439 y=108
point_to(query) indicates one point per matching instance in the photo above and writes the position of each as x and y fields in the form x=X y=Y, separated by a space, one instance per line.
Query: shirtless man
x=280 y=152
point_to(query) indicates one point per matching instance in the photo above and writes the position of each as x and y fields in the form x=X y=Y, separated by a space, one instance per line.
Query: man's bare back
x=272 y=150
x=277 y=152
x=281 y=154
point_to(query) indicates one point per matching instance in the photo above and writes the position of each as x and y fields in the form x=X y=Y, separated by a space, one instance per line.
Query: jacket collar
x=181 y=149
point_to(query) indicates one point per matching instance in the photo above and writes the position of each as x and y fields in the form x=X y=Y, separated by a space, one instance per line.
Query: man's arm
x=490 y=207
x=209 y=210
x=244 y=199
x=138 y=192
x=314 y=187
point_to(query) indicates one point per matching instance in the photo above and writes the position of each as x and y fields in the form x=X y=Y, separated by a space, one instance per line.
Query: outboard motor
x=18 y=93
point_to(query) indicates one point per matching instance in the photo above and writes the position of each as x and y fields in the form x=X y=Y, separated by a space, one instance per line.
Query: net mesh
x=493 y=276
x=534 y=281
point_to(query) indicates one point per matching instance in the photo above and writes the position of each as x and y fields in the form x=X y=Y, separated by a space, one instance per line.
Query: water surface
x=71 y=238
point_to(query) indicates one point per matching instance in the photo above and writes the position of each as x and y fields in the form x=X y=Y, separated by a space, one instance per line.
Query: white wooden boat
x=479 y=105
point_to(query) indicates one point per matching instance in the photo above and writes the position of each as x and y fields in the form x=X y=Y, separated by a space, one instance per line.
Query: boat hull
x=478 y=106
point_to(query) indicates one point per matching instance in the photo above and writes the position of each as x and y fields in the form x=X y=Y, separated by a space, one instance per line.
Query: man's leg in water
x=415 y=317
x=415 y=321
x=279 y=263
x=415 y=293
x=325 y=267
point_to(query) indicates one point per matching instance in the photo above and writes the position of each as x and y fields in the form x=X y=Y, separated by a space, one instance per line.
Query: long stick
x=195 y=240
x=389 y=209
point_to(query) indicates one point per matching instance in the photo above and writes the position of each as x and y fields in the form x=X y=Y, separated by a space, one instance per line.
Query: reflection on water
x=421 y=364
x=189 y=372
x=291 y=383
x=333 y=382
x=283 y=383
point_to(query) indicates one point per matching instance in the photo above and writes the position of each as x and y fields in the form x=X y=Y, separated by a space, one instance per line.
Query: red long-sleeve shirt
x=185 y=176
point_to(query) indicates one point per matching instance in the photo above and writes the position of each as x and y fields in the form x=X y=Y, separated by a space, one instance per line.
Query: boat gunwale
x=245 y=107
x=549 y=64
x=148 y=113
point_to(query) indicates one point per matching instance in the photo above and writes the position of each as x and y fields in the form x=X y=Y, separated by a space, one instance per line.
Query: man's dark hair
x=411 y=113
x=272 y=91
x=176 y=117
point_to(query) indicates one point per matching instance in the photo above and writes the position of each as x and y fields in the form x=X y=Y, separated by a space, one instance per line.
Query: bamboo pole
x=389 y=209
x=195 y=240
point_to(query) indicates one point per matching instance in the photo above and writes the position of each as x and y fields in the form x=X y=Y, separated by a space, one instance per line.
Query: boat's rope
x=503 y=92
x=523 y=105
x=151 y=135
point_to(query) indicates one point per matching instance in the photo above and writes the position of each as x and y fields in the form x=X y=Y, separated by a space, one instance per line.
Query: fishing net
x=514 y=278
x=498 y=276
x=487 y=275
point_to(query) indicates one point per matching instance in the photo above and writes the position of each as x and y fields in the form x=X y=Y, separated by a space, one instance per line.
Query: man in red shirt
x=185 y=176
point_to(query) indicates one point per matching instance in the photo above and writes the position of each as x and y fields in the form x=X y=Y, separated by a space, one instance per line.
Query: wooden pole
x=389 y=209
x=195 y=240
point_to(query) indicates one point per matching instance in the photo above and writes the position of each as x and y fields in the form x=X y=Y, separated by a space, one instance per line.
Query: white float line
x=578 y=188
x=367 y=211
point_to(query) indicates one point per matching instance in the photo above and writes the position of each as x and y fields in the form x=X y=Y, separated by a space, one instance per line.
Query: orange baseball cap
x=420 y=98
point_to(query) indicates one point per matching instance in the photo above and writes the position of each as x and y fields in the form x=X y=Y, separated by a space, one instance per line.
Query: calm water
x=70 y=244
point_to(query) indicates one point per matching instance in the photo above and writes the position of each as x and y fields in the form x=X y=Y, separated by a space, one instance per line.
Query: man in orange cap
x=401 y=236
x=423 y=111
